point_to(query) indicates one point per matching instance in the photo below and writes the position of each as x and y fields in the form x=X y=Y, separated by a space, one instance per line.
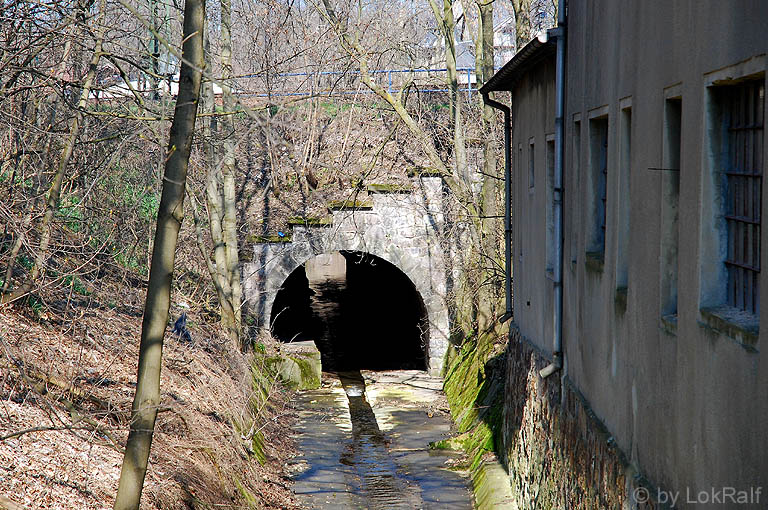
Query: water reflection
x=381 y=483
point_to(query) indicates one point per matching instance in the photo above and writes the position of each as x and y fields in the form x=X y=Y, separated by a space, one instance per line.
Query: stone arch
x=400 y=228
x=362 y=311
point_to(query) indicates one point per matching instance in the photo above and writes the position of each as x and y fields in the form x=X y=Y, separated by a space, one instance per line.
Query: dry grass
x=70 y=386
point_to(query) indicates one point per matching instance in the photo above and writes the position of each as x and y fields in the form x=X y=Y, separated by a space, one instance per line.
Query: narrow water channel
x=364 y=439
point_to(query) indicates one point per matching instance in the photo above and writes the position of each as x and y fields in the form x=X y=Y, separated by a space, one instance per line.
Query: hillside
x=65 y=396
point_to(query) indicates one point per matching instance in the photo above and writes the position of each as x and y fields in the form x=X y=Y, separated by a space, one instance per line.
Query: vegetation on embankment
x=65 y=391
x=474 y=385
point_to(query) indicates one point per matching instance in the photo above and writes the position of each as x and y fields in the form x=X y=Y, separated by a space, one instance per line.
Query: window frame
x=714 y=311
x=671 y=173
x=599 y=124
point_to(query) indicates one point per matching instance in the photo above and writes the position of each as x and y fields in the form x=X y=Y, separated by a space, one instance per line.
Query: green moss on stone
x=340 y=205
x=269 y=239
x=388 y=188
x=424 y=171
x=310 y=221
x=309 y=377
x=475 y=396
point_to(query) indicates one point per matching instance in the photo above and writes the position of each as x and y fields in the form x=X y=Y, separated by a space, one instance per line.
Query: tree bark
x=169 y=218
x=489 y=299
x=214 y=205
x=220 y=189
x=522 y=10
x=447 y=24
x=229 y=221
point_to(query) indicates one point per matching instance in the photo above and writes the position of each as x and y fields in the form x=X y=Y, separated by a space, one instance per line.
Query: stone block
x=300 y=366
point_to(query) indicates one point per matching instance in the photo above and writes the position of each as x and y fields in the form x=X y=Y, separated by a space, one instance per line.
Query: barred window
x=743 y=106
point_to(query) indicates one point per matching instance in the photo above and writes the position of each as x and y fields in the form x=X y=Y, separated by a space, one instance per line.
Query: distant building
x=662 y=247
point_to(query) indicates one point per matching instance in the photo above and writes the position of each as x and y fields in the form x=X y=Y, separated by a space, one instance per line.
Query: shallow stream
x=364 y=439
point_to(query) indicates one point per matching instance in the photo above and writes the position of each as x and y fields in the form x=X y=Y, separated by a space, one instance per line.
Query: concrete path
x=364 y=442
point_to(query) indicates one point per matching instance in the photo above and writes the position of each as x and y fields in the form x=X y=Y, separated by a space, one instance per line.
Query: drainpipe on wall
x=557 y=319
x=507 y=203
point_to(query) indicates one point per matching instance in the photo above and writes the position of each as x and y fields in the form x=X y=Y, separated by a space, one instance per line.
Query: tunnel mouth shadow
x=362 y=312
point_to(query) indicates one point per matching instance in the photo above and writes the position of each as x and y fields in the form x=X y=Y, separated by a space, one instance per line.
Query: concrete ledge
x=269 y=239
x=388 y=188
x=492 y=488
x=300 y=367
x=350 y=205
x=669 y=324
x=310 y=221
x=424 y=171
x=594 y=261
x=737 y=325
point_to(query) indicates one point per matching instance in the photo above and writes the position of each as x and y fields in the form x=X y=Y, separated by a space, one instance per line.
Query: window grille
x=743 y=116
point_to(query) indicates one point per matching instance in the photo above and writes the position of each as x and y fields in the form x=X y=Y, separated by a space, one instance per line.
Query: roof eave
x=505 y=78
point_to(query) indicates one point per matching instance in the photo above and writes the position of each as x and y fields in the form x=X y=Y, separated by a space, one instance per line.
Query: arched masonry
x=399 y=225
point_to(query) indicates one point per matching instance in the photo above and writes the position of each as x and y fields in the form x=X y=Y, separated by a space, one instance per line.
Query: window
x=742 y=107
x=731 y=201
x=575 y=173
x=550 y=203
x=625 y=164
x=670 y=193
x=598 y=155
x=518 y=211
x=531 y=164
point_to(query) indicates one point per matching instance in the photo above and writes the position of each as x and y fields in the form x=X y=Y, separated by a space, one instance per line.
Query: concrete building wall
x=683 y=396
x=533 y=127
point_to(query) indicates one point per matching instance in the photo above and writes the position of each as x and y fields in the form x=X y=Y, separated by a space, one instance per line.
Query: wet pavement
x=364 y=442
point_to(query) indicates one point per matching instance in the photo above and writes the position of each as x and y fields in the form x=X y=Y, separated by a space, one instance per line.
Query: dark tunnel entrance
x=361 y=311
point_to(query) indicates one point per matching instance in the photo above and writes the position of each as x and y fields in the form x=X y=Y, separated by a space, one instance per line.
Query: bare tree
x=54 y=192
x=170 y=216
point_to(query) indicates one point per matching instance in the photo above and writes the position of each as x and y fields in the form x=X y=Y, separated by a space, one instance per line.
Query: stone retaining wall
x=557 y=453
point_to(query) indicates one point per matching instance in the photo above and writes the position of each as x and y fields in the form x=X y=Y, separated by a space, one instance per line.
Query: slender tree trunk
x=490 y=296
x=225 y=305
x=54 y=193
x=215 y=207
x=169 y=218
x=229 y=221
x=522 y=10
x=459 y=144
x=445 y=19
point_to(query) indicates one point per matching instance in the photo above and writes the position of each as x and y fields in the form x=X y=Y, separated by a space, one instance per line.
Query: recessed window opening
x=624 y=198
x=575 y=172
x=531 y=164
x=598 y=149
x=670 y=191
x=742 y=169
x=550 y=203
x=361 y=311
x=518 y=214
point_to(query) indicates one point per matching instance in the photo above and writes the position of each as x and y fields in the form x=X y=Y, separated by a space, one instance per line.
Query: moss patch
x=474 y=382
x=424 y=171
x=310 y=221
x=339 y=205
x=269 y=239
x=388 y=188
